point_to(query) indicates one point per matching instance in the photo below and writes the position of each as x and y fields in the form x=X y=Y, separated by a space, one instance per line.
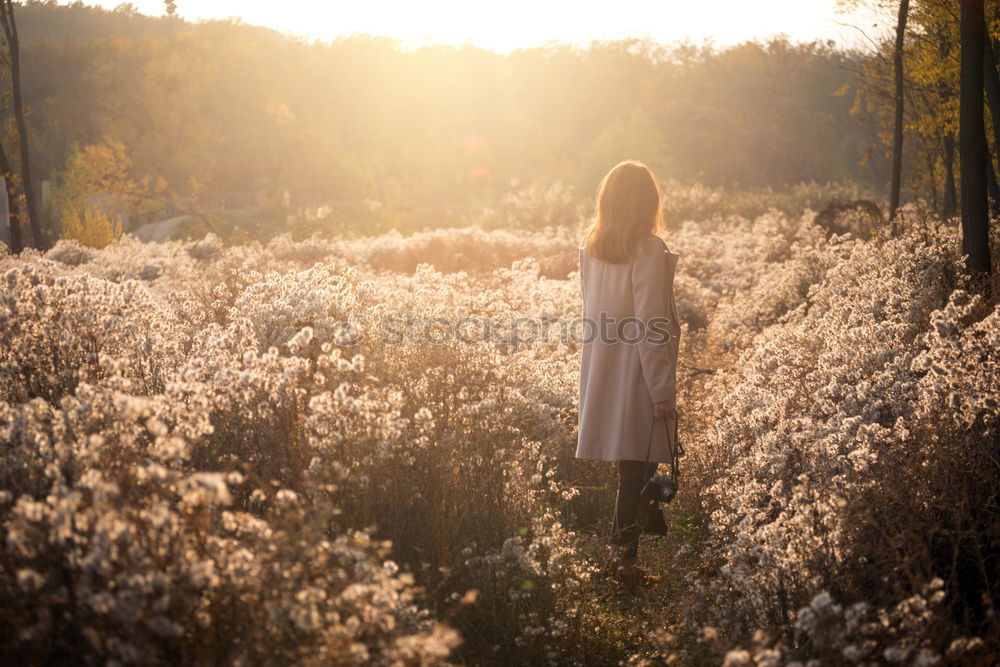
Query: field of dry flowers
x=213 y=454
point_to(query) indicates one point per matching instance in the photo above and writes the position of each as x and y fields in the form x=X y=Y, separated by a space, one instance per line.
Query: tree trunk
x=14 y=49
x=992 y=187
x=950 y=193
x=897 y=128
x=930 y=159
x=973 y=159
x=992 y=84
x=10 y=181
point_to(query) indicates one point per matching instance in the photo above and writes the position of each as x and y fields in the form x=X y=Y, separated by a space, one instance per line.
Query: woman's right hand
x=664 y=409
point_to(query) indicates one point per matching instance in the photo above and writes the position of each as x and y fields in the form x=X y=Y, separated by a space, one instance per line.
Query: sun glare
x=515 y=24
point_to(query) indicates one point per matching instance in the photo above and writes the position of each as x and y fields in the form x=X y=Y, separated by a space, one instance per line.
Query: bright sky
x=504 y=25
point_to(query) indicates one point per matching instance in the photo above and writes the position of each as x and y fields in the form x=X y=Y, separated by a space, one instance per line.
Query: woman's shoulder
x=650 y=245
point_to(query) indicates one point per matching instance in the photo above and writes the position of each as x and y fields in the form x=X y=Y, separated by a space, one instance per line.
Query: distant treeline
x=434 y=132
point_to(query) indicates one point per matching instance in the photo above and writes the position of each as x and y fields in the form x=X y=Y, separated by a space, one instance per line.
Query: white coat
x=621 y=380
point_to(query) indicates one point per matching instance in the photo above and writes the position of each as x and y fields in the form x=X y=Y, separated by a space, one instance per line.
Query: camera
x=659 y=488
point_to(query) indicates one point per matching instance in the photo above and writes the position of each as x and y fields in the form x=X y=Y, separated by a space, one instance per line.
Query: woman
x=628 y=371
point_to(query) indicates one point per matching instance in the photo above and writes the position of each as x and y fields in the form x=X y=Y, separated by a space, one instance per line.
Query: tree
x=973 y=158
x=992 y=83
x=14 y=56
x=897 y=128
x=918 y=101
x=13 y=210
x=95 y=193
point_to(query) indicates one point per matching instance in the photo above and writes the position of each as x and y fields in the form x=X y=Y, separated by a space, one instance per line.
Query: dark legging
x=625 y=527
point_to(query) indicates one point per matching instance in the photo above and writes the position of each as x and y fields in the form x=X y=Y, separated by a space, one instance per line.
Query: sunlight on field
x=218 y=427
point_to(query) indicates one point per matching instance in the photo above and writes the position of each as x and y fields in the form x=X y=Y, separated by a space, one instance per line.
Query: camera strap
x=676 y=450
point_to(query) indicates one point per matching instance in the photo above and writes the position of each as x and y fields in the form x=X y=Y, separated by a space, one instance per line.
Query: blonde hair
x=628 y=209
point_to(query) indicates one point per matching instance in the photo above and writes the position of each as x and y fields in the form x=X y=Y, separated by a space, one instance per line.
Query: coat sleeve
x=649 y=285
